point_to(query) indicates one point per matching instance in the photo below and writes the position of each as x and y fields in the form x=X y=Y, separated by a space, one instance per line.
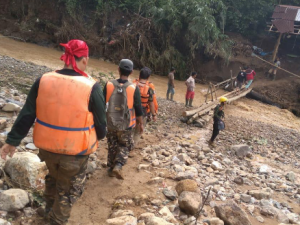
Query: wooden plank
x=202 y=107
x=243 y=94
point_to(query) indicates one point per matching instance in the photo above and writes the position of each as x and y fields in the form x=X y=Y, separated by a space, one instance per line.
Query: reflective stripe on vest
x=130 y=100
x=64 y=124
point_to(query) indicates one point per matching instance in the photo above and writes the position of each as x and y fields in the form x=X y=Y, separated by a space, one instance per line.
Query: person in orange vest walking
x=148 y=98
x=69 y=110
x=124 y=109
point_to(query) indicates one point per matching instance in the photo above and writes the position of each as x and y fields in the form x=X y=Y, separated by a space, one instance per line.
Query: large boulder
x=189 y=202
x=232 y=214
x=13 y=199
x=186 y=185
x=123 y=220
x=241 y=151
x=26 y=170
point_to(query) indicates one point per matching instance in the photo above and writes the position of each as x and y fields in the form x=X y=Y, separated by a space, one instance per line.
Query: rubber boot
x=191 y=103
x=110 y=172
x=117 y=171
x=186 y=103
x=172 y=96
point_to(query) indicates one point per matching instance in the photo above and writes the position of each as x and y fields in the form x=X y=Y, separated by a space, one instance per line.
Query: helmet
x=223 y=99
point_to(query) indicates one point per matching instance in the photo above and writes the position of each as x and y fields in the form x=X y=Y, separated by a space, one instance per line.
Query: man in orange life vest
x=69 y=110
x=124 y=109
x=148 y=98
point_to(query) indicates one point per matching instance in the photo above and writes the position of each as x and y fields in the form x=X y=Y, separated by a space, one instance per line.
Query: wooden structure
x=285 y=20
x=212 y=89
x=205 y=109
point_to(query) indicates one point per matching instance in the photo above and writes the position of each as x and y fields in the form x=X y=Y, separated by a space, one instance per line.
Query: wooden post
x=276 y=47
x=211 y=92
x=207 y=94
x=231 y=80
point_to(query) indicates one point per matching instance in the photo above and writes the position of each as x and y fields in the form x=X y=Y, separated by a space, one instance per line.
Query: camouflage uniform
x=64 y=183
x=120 y=143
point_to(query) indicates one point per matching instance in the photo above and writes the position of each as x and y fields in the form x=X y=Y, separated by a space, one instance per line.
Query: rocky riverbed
x=250 y=178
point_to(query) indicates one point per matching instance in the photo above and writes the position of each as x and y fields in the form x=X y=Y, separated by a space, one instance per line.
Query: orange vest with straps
x=144 y=88
x=130 y=100
x=64 y=124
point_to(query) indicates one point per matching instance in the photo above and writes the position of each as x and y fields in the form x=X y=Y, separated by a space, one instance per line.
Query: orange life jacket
x=144 y=88
x=130 y=100
x=64 y=124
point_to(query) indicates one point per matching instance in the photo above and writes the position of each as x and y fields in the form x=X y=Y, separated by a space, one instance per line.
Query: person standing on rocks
x=250 y=74
x=171 y=85
x=124 y=109
x=218 y=122
x=190 y=92
x=148 y=98
x=69 y=109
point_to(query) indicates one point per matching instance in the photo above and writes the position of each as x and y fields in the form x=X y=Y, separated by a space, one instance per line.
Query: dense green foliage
x=250 y=17
x=182 y=29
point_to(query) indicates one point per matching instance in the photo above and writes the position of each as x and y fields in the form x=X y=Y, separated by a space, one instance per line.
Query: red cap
x=76 y=48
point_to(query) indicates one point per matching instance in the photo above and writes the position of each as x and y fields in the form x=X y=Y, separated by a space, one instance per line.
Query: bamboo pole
x=279 y=68
x=276 y=47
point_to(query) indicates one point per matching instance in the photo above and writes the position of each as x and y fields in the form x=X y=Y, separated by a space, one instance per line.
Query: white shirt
x=190 y=83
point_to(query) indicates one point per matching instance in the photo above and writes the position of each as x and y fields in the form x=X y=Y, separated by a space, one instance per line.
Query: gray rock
x=185 y=175
x=31 y=146
x=238 y=180
x=120 y=213
x=122 y=220
x=167 y=215
x=13 y=199
x=26 y=170
x=91 y=167
x=260 y=219
x=189 y=202
x=232 y=214
x=2 y=124
x=216 y=165
x=260 y=194
x=11 y=107
x=241 y=151
x=170 y=194
x=214 y=221
x=4 y=222
x=290 y=176
x=245 y=198
x=271 y=211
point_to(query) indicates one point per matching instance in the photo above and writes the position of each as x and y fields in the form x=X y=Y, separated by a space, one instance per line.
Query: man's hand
x=7 y=149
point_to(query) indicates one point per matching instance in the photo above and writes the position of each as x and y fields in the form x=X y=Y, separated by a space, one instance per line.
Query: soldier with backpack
x=124 y=109
x=148 y=98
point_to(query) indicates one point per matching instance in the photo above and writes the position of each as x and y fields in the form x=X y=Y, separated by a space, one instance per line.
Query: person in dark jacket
x=218 y=116
x=240 y=79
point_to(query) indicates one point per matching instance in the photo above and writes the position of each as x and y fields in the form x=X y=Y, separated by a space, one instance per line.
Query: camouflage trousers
x=64 y=183
x=120 y=143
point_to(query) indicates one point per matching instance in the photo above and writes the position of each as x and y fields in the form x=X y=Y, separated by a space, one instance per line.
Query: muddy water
x=50 y=57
